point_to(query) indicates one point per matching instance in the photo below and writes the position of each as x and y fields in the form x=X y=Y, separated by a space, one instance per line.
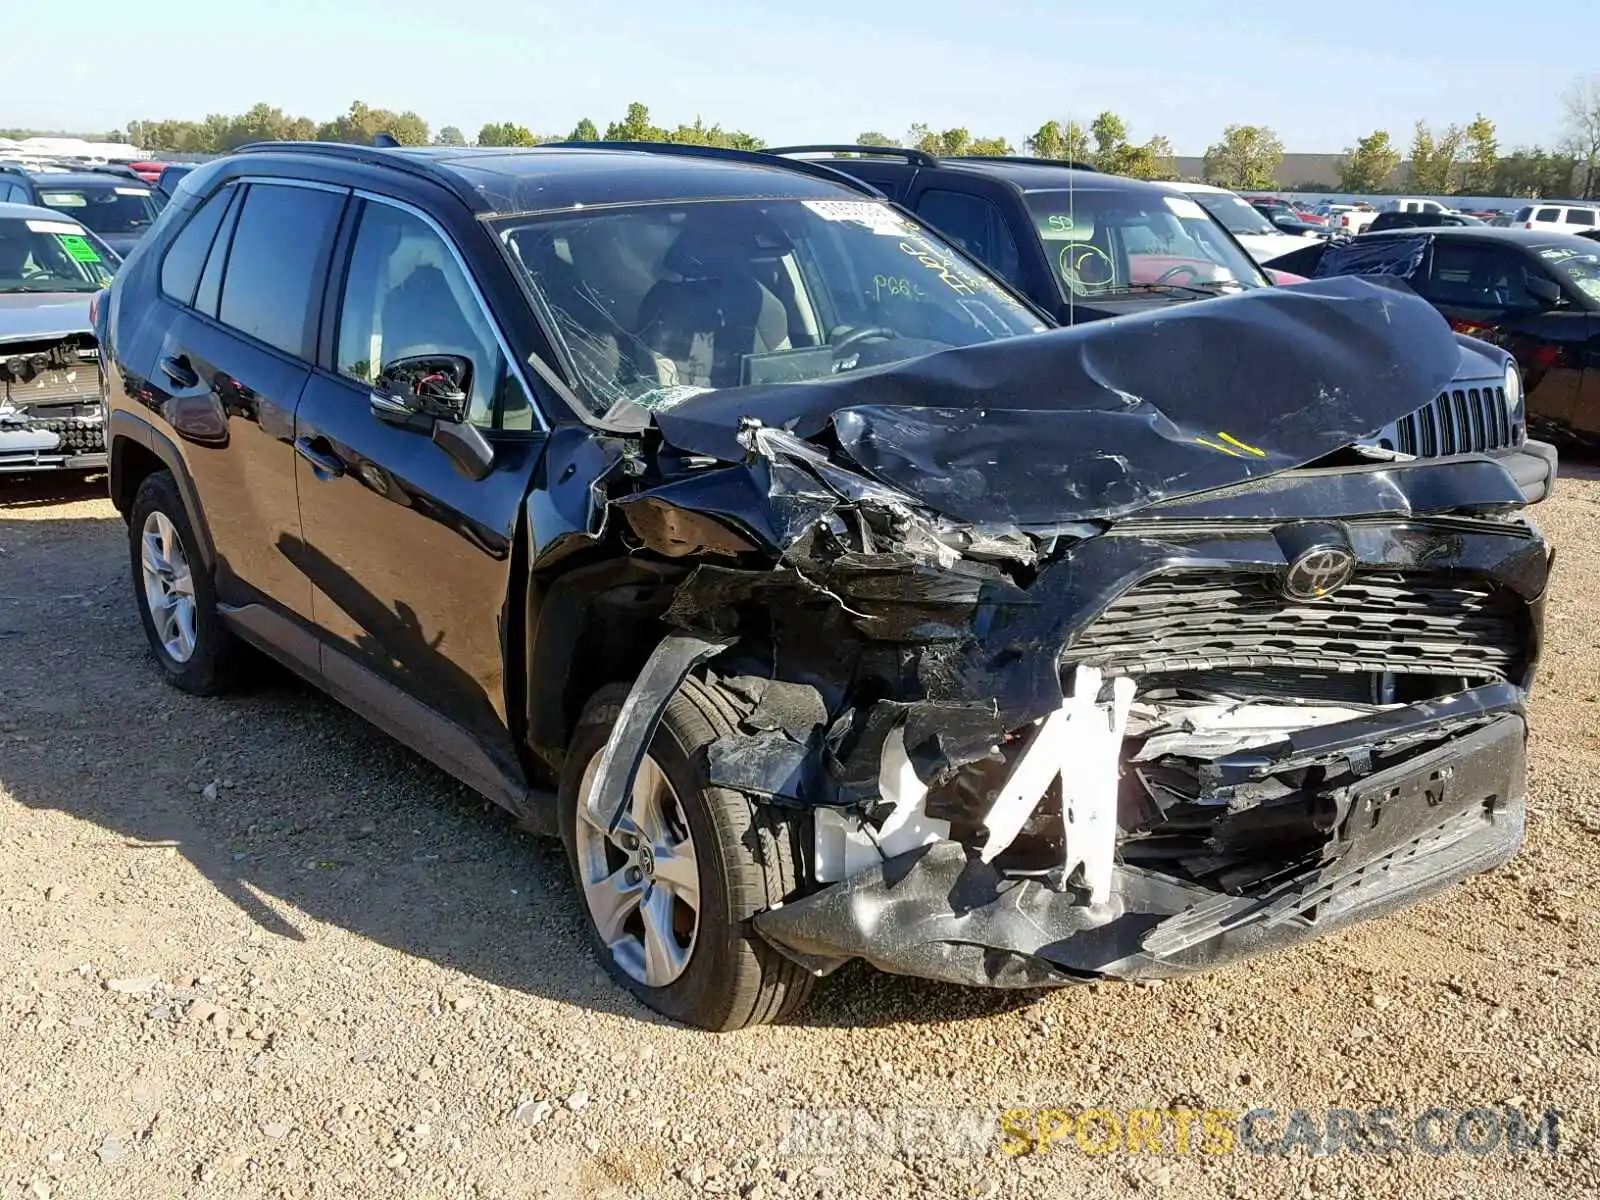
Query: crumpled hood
x=1103 y=419
x=32 y=315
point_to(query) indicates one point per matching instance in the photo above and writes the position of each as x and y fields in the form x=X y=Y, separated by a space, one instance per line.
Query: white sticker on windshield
x=860 y=212
x=57 y=227
x=62 y=200
x=133 y=191
x=1185 y=208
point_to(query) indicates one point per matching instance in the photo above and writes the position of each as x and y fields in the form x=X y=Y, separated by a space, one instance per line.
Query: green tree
x=362 y=123
x=1367 y=165
x=507 y=133
x=1048 y=141
x=873 y=138
x=1533 y=173
x=1482 y=155
x=1110 y=133
x=1245 y=158
x=634 y=127
x=450 y=135
x=584 y=131
x=1153 y=160
x=263 y=123
x=997 y=147
x=1433 y=159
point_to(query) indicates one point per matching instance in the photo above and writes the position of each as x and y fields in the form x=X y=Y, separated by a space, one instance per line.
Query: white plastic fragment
x=844 y=847
x=1081 y=744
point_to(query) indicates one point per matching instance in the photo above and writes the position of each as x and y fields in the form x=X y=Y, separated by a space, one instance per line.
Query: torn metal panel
x=668 y=666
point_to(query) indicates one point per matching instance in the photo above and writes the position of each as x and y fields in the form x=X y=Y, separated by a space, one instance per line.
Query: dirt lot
x=250 y=946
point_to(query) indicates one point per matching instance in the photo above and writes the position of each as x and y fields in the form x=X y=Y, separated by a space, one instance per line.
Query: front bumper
x=1534 y=468
x=55 y=445
x=1438 y=816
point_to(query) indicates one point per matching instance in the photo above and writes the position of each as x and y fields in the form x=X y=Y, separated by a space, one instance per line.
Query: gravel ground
x=251 y=947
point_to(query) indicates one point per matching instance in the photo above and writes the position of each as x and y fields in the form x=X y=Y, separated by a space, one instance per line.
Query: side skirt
x=409 y=721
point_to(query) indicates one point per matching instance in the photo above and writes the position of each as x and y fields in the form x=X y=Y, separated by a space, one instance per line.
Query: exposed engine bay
x=51 y=405
x=1070 y=660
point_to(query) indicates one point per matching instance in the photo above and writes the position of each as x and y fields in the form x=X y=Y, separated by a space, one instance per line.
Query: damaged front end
x=1094 y=654
x=52 y=413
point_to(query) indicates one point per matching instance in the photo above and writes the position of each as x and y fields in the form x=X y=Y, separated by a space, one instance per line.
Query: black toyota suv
x=709 y=511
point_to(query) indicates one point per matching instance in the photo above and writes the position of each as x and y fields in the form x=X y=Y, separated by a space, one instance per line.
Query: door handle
x=316 y=451
x=176 y=368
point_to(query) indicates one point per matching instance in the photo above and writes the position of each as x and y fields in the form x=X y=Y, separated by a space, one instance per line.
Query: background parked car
x=1535 y=294
x=1558 y=218
x=171 y=175
x=1285 y=219
x=51 y=417
x=112 y=201
x=1253 y=231
x=1419 y=220
x=1081 y=245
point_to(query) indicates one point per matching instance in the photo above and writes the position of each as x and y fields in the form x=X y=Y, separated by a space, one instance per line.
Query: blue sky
x=816 y=69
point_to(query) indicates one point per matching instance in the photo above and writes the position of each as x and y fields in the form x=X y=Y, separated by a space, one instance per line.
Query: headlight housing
x=1513 y=388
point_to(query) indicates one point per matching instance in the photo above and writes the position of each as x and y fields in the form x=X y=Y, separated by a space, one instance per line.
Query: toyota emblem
x=1318 y=572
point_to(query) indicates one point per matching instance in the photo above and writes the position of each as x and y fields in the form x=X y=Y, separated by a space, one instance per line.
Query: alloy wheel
x=641 y=879
x=168 y=586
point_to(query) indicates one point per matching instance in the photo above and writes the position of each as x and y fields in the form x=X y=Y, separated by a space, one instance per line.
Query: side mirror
x=424 y=388
x=430 y=394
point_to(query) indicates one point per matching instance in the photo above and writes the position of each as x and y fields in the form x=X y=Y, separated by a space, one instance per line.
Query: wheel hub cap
x=641 y=879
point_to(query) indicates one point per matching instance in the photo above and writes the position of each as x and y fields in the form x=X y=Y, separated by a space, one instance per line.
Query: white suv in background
x=1557 y=218
x=1261 y=240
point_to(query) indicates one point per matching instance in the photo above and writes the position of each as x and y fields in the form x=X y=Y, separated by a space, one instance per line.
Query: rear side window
x=13 y=193
x=1548 y=214
x=975 y=225
x=186 y=257
x=277 y=265
x=1580 y=216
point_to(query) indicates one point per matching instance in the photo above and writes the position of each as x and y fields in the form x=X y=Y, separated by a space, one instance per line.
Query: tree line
x=1464 y=159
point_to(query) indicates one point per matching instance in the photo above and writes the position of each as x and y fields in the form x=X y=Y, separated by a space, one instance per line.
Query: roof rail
x=112 y=169
x=919 y=158
x=1027 y=160
x=377 y=156
x=765 y=157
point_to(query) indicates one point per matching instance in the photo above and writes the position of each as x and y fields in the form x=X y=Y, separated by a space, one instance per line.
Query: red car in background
x=147 y=171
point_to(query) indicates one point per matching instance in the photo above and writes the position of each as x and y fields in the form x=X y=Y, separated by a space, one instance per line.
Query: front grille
x=1210 y=620
x=1467 y=420
x=55 y=387
x=79 y=435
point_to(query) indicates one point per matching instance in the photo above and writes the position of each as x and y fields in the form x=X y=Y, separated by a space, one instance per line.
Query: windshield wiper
x=26 y=289
x=1196 y=288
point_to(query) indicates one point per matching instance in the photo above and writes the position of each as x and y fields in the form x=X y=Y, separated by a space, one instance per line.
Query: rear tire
x=175 y=593
x=746 y=854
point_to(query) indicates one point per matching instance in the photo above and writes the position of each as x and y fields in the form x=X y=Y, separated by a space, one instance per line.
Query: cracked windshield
x=1107 y=243
x=657 y=303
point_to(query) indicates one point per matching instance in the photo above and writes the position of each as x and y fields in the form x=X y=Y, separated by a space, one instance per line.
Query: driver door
x=409 y=558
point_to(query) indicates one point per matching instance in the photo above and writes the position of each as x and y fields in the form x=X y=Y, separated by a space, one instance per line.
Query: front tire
x=176 y=597
x=668 y=895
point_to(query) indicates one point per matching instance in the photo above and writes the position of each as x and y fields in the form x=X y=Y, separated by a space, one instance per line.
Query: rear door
x=247 y=272
x=410 y=560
